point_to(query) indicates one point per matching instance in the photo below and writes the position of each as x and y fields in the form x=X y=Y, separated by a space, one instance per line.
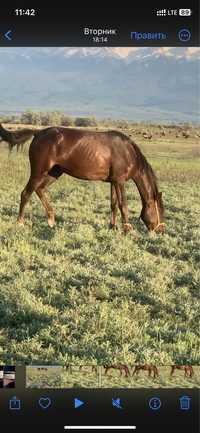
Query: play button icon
x=78 y=403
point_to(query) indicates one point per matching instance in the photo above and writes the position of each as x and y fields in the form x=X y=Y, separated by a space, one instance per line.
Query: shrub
x=67 y=120
x=31 y=117
x=85 y=121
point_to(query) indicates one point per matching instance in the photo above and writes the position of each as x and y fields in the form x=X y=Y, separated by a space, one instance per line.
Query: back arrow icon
x=8 y=35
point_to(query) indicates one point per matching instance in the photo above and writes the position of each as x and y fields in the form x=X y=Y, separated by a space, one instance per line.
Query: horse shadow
x=9 y=212
x=44 y=232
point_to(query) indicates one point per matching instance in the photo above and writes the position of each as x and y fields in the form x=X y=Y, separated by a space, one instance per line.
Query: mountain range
x=152 y=84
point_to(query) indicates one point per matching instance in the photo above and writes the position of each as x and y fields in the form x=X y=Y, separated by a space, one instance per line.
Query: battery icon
x=185 y=12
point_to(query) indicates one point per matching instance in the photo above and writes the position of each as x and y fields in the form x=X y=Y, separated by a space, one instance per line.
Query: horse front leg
x=122 y=203
x=48 y=180
x=134 y=371
x=32 y=185
x=49 y=210
x=113 y=200
x=172 y=371
x=123 y=206
x=127 y=372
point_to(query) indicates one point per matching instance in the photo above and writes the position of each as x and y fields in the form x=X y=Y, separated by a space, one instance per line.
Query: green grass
x=79 y=293
x=80 y=379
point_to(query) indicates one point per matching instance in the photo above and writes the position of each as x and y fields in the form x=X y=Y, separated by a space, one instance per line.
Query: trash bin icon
x=185 y=402
x=14 y=403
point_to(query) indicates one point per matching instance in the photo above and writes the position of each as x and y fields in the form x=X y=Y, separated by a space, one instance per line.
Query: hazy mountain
x=130 y=83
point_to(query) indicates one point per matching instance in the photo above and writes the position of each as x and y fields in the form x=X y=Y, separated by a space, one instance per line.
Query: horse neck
x=145 y=186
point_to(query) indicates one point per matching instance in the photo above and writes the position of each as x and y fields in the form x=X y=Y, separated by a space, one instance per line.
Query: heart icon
x=44 y=402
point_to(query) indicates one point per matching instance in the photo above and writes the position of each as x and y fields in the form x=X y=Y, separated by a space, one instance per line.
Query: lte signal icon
x=161 y=13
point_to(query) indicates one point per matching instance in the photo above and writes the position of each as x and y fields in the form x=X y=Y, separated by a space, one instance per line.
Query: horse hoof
x=113 y=227
x=51 y=223
x=20 y=222
x=126 y=227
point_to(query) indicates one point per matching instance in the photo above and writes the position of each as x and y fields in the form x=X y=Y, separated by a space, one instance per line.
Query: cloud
x=193 y=51
x=125 y=51
x=165 y=51
x=177 y=52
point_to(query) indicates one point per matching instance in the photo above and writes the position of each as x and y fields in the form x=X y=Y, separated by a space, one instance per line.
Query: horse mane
x=146 y=167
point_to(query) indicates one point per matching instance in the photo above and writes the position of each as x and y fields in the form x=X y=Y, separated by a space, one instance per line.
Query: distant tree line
x=48 y=118
x=57 y=118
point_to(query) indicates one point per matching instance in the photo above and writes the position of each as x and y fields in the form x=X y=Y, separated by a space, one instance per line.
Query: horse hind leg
x=10 y=147
x=134 y=371
x=127 y=372
x=106 y=370
x=49 y=210
x=155 y=371
x=32 y=185
x=52 y=176
x=113 y=198
x=172 y=371
x=42 y=196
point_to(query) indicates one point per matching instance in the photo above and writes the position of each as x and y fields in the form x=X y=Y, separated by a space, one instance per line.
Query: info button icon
x=155 y=403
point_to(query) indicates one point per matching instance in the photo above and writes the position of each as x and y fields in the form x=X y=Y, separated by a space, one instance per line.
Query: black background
x=63 y=26
x=98 y=409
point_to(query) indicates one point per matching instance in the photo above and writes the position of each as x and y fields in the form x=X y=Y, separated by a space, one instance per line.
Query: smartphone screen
x=99 y=218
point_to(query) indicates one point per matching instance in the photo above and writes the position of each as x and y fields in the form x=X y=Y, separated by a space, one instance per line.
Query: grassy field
x=79 y=293
x=51 y=378
x=80 y=379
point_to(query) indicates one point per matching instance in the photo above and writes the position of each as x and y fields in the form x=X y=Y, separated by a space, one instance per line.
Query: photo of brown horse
x=107 y=156
x=188 y=370
x=121 y=367
x=99 y=215
x=151 y=369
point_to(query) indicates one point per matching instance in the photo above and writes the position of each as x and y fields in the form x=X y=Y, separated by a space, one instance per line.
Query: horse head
x=153 y=214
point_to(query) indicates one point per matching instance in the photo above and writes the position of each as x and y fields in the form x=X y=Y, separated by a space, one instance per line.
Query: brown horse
x=16 y=138
x=108 y=156
x=121 y=367
x=188 y=370
x=146 y=367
